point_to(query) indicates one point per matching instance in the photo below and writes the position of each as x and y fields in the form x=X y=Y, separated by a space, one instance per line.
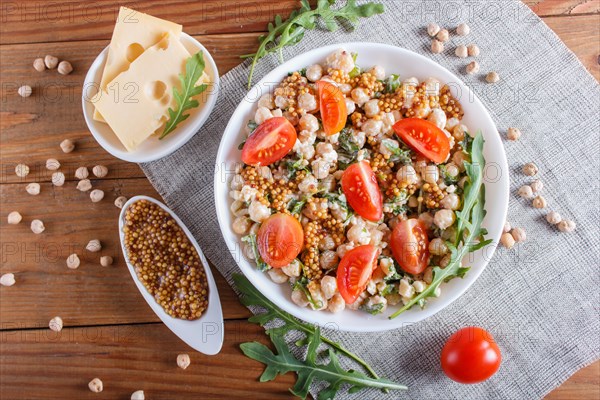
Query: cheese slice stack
x=134 y=32
x=144 y=61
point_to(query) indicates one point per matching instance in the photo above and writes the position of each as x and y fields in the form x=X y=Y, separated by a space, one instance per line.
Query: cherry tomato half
x=360 y=186
x=271 y=141
x=280 y=240
x=410 y=245
x=333 y=107
x=354 y=271
x=424 y=137
x=471 y=355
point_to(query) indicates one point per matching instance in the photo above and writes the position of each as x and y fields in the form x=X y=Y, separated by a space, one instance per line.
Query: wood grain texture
x=93 y=299
x=92 y=294
x=41 y=364
x=34 y=21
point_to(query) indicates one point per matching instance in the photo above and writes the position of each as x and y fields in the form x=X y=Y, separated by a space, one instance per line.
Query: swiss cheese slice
x=134 y=33
x=135 y=103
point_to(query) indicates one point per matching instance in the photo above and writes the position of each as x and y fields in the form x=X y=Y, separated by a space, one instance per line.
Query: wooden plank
x=42 y=364
x=584 y=384
x=580 y=34
x=53 y=113
x=92 y=294
x=33 y=21
x=545 y=8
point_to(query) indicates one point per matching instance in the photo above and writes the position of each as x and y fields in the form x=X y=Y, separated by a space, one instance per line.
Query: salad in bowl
x=357 y=188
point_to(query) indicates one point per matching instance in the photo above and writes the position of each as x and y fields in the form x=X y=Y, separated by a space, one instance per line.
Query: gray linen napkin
x=540 y=300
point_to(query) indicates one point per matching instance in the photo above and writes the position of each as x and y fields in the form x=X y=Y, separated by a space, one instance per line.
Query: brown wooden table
x=110 y=332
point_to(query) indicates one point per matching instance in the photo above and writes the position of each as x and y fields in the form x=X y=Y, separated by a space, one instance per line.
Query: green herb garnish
x=447 y=178
x=392 y=83
x=348 y=150
x=260 y=263
x=372 y=309
x=301 y=284
x=469 y=233
x=308 y=371
x=356 y=71
x=399 y=154
x=291 y=31
x=194 y=68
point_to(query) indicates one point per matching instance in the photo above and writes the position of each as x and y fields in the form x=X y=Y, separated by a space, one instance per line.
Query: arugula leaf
x=260 y=263
x=394 y=275
x=252 y=125
x=339 y=198
x=388 y=289
x=448 y=179
x=291 y=31
x=309 y=371
x=194 y=67
x=398 y=204
x=391 y=83
x=356 y=70
x=348 y=150
x=295 y=165
x=296 y=206
x=469 y=234
x=250 y=296
x=372 y=309
x=399 y=155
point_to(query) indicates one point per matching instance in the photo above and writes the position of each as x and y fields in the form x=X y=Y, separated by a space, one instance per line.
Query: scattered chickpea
x=7 y=279
x=463 y=29
x=39 y=65
x=537 y=186
x=25 y=91
x=67 y=146
x=473 y=50
x=539 y=202
x=443 y=35
x=96 y=195
x=58 y=178
x=100 y=171
x=473 y=68
x=461 y=51
x=33 y=188
x=513 y=134
x=553 y=218
x=14 y=218
x=530 y=169
x=84 y=185
x=65 y=68
x=519 y=235
x=96 y=385
x=50 y=61
x=22 y=170
x=526 y=192
x=52 y=164
x=37 y=226
x=105 y=261
x=567 y=226
x=120 y=201
x=492 y=77
x=183 y=361
x=507 y=227
x=73 y=261
x=507 y=240
x=93 y=246
x=81 y=173
x=56 y=324
x=138 y=395
x=433 y=29
x=437 y=47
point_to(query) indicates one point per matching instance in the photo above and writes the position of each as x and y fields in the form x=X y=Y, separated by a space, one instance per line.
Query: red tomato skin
x=332 y=105
x=278 y=130
x=369 y=204
x=281 y=233
x=412 y=256
x=434 y=145
x=470 y=355
x=364 y=259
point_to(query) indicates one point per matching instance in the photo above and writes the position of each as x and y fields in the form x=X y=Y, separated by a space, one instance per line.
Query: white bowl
x=204 y=334
x=407 y=64
x=152 y=148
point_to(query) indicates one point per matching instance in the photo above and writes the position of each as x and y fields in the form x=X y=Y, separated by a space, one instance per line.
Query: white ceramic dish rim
x=198 y=334
x=493 y=222
x=176 y=139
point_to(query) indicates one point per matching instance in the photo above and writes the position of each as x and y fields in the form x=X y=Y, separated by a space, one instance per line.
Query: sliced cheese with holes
x=134 y=32
x=135 y=104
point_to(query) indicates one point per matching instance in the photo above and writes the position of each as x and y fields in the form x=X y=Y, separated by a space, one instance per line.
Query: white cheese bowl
x=152 y=148
x=394 y=60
